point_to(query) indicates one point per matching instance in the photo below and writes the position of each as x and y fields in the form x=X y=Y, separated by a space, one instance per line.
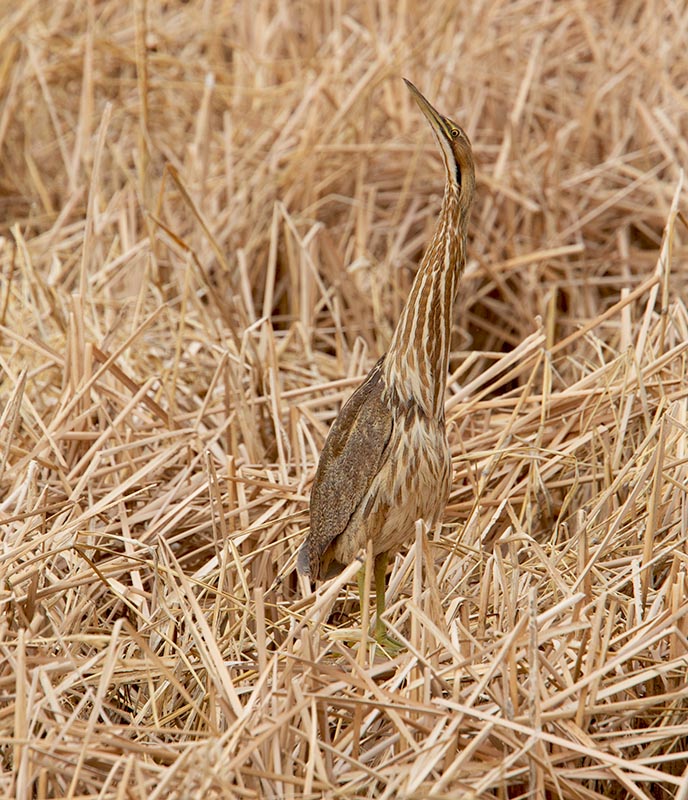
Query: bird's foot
x=388 y=644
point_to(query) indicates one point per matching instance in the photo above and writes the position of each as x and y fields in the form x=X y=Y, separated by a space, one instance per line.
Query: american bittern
x=386 y=461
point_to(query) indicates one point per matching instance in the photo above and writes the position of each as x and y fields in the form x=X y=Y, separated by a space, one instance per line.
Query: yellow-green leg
x=380 y=573
x=386 y=642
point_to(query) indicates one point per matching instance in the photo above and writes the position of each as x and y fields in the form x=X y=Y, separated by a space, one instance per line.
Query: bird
x=386 y=462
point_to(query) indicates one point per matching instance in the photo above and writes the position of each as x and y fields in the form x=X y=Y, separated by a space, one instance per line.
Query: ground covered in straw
x=210 y=215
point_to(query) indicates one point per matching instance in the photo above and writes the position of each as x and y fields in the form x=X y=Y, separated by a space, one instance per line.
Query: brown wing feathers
x=351 y=458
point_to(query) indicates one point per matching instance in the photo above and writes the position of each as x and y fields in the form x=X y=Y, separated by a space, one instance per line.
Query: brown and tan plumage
x=386 y=461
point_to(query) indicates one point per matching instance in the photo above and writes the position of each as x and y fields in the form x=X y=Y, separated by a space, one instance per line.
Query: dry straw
x=211 y=214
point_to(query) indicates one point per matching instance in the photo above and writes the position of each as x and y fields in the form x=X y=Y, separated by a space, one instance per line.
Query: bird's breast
x=415 y=482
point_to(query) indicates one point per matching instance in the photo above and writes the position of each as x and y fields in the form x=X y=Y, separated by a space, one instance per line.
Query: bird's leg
x=380 y=572
x=386 y=642
x=363 y=580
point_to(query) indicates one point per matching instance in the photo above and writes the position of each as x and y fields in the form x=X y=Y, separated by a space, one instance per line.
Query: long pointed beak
x=433 y=116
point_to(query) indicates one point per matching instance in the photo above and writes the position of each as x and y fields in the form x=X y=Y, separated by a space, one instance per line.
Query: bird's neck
x=417 y=360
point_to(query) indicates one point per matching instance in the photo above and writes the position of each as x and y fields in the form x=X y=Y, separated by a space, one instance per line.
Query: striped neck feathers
x=418 y=356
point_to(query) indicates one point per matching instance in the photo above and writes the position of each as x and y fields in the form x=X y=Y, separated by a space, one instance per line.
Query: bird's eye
x=454 y=133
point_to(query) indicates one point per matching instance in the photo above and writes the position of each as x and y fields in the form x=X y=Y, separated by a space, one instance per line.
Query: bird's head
x=457 y=152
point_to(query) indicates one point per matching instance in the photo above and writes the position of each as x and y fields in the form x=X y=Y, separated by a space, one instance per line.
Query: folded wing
x=354 y=452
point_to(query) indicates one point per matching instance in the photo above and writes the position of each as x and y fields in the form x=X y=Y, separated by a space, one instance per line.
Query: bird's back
x=353 y=454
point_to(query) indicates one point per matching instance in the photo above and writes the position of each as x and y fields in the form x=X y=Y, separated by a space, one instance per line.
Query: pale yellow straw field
x=210 y=217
